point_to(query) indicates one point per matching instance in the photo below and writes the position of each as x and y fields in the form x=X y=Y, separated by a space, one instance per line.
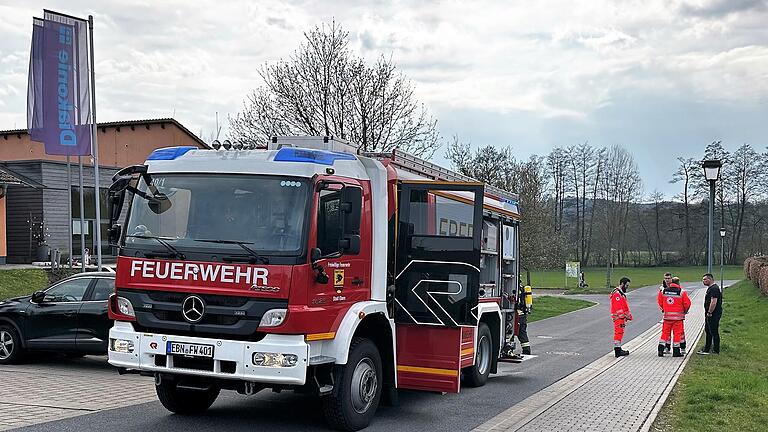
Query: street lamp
x=712 y=174
x=722 y=254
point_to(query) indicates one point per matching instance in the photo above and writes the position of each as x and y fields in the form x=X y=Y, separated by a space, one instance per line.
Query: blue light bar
x=322 y=157
x=170 y=153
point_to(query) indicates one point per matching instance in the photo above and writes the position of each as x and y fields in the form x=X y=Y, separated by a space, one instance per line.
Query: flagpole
x=82 y=215
x=69 y=210
x=95 y=141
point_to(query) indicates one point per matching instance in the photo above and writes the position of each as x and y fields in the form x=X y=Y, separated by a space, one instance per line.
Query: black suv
x=68 y=317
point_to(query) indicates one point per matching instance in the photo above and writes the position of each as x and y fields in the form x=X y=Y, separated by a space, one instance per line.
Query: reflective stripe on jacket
x=674 y=302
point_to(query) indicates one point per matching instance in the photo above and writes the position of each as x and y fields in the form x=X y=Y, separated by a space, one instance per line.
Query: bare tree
x=540 y=243
x=745 y=172
x=621 y=188
x=686 y=173
x=557 y=162
x=324 y=89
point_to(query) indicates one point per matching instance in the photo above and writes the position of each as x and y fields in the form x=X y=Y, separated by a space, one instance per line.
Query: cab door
x=437 y=280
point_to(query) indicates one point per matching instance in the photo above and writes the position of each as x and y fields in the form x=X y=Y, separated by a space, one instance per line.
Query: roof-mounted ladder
x=416 y=165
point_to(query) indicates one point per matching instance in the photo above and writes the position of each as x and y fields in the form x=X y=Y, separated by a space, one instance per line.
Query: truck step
x=326 y=390
x=321 y=359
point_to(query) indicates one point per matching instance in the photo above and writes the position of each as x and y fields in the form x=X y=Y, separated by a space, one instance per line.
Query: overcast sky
x=661 y=78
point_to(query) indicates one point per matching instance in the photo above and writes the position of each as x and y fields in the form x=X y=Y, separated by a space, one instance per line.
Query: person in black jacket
x=713 y=308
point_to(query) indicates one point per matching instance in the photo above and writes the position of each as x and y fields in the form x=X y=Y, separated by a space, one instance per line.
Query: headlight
x=274 y=359
x=121 y=345
x=125 y=307
x=273 y=318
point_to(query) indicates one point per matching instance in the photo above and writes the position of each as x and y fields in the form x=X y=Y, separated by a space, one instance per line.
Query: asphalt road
x=563 y=344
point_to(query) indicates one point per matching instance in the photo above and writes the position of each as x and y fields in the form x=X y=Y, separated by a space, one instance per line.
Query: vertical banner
x=35 y=83
x=59 y=112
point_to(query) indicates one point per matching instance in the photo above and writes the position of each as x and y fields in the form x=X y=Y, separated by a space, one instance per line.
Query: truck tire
x=353 y=406
x=477 y=374
x=185 y=401
x=11 y=351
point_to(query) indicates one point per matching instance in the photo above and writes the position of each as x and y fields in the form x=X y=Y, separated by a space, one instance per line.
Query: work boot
x=620 y=352
x=526 y=350
x=682 y=348
x=676 y=352
x=667 y=348
x=508 y=351
x=662 y=350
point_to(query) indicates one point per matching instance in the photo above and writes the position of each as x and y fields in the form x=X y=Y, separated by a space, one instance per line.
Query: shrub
x=763 y=285
x=747 y=263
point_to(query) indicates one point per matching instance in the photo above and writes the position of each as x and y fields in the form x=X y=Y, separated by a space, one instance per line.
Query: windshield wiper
x=255 y=255
x=174 y=253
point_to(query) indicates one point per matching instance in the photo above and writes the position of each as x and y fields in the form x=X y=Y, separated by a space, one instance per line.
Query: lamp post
x=722 y=254
x=712 y=174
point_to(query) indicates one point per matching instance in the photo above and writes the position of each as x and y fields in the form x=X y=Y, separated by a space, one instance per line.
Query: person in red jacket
x=620 y=314
x=674 y=303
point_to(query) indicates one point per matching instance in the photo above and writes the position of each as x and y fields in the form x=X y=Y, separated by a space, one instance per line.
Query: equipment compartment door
x=438 y=253
x=437 y=281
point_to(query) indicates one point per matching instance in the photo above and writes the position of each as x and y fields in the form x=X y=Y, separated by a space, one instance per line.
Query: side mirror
x=315 y=254
x=114 y=234
x=159 y=204
x=38 y=297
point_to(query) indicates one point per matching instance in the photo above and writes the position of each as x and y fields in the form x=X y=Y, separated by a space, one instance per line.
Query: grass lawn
x=641 y=276
x=549 y=306
x=726 y=392
x=15 y=283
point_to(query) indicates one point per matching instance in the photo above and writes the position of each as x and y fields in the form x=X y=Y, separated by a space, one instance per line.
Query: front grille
x=211 y=300
x=229 y=317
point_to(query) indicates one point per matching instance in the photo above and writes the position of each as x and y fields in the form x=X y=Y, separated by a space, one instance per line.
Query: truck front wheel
x=185 y=401
x=354 y=403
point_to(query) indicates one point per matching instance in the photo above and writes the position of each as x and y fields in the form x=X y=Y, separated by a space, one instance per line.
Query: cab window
x=329 y=222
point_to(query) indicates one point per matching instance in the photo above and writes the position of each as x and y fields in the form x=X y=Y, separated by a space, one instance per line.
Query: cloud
x=534 y=73
x=721 y=8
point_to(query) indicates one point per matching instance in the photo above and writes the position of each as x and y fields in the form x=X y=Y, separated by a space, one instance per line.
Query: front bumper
x=148 y=346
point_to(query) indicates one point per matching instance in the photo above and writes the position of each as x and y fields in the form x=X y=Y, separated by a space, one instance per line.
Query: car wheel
x=353 y=406
x=10 y=345
x=185 y=401
x=477 y=374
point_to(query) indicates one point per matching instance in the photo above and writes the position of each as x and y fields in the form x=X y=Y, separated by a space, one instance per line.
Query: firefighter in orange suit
x=620 y=314
x=674 y=303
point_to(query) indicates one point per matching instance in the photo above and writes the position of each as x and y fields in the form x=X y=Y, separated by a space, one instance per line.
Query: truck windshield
x=265 y=212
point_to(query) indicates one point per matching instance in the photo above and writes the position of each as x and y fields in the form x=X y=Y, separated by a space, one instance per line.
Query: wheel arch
x=12 y=323
x=491 y=316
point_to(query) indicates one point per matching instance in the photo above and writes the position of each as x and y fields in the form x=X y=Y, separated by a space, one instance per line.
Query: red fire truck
x=309 y=266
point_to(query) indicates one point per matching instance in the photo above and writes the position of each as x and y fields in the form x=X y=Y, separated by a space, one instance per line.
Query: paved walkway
x=610 y=394
x=52 y=390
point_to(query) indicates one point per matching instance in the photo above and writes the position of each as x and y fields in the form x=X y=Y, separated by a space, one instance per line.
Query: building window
x=89 y=214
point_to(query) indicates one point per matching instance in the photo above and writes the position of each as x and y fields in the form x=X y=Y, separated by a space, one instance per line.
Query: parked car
x=68 y=317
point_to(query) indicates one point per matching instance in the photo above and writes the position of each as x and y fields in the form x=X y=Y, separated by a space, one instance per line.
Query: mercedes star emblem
x=193 y=309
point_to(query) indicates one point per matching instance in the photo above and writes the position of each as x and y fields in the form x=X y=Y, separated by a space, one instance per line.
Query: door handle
x=357 y=281
x=69 y=314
